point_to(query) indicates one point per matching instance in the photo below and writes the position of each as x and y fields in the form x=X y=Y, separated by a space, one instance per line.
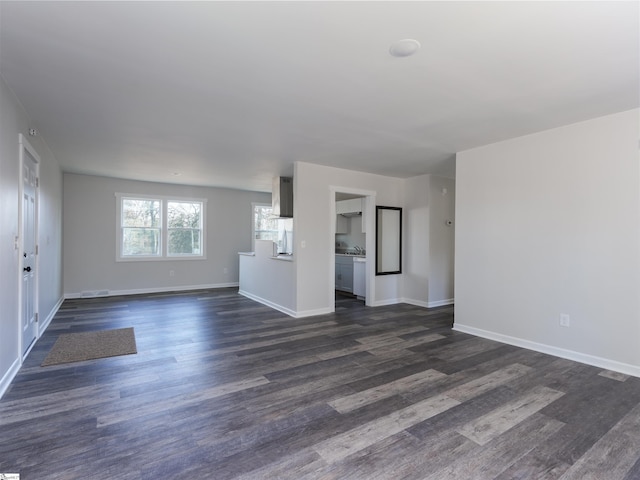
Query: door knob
x=27 y=269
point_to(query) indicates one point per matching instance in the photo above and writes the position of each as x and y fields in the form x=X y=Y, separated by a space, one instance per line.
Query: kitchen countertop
x=285 y=257
x=350 y=255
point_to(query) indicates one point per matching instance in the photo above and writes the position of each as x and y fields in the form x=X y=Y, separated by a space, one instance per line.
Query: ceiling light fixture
x=404 y=48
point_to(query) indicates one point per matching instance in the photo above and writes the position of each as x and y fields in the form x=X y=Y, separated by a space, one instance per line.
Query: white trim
x=160 y=197
x=163 y=228
x=139 y=291
x=43 y=326
x=25 y=145
x=332 y=264
x=268 y=303
x=9 y=376
x=421 y=303
x=441 y=303
x=389 y=301
x=417 y=303
x=253 y=220
x=33 y=344
x=599 y=362
x=159 y=259
x=369 y=197
x=313 y=313
x=280 y=308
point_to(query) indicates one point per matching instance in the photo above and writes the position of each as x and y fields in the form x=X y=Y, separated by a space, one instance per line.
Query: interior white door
x=29 y=218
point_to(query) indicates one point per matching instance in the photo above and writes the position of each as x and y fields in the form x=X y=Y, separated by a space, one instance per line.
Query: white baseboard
x=43 y=326
x=268 y=303
x=15 y=367
x=313 y=313
x=592 y=360
x=138 y=291
x=280 y=308
x=441 y=303
x=389 y=301
x=9 y=376
x=417 y=303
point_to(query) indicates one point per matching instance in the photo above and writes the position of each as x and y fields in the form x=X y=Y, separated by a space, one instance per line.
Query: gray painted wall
x=14 y=121
x=549 y=224
x=442 y=194
x=315 y=262
x=429 y=241
x=90 y=236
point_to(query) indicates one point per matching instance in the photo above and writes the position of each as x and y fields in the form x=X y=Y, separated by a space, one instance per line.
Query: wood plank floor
x=225 y=388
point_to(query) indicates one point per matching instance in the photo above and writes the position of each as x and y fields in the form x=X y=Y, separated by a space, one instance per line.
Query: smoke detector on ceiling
x=404 y=48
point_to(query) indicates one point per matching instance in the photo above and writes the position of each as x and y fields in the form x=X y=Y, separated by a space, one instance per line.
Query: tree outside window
x=184 y=224
x=141 y=224
x=265 y=227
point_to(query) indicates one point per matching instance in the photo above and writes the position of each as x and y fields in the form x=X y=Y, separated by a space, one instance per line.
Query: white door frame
x=26 y=146
x=370 y=241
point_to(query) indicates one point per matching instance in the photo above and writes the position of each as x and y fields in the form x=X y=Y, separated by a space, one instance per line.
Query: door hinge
x=36 y=249
x=37 y=181
x=37 y=318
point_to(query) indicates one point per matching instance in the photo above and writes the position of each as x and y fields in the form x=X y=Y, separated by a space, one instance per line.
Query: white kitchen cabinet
x=342 y=224
x=359 y=277
x=344 y=273
x=349 y=206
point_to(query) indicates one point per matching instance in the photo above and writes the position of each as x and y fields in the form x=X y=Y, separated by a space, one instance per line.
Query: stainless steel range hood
x=282 y=197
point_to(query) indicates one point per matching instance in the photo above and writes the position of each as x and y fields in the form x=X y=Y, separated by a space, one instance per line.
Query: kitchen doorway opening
x=353 y=241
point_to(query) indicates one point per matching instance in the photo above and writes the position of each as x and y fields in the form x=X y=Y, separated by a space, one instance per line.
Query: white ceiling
x=232 y=93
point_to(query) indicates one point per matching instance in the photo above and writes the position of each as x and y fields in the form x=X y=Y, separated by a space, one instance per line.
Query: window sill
x=159 y=259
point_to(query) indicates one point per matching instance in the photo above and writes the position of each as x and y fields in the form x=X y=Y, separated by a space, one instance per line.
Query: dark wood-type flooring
x=223 y=387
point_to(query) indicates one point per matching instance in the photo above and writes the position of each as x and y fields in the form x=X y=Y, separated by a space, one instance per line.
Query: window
x=141 y=227
x=159 y=228
x=184 y=227
x=265 y=227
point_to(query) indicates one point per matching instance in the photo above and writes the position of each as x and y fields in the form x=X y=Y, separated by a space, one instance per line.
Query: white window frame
x=164 y=230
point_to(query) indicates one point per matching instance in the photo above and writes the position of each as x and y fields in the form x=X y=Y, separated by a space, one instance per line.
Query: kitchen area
x=270 y=273
x=350 y=251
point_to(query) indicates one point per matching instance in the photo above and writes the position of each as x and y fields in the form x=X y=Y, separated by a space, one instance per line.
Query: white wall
x=429 y=241
x=548 y=224
x=312 y=225
x=13 y=121
x=268 y=280
x=441 y=240
x=90 y=237
x=416 y=241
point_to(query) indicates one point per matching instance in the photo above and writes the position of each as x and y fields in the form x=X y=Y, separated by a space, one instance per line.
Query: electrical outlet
x=225 y=270
x=565 y=320
x=171 y=273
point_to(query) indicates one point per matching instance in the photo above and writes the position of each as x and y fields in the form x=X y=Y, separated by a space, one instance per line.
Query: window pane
x=140 y=241
x=160 y=228
x=265 y=227
x=184 y=242
x=184 y=214
x=140 y=213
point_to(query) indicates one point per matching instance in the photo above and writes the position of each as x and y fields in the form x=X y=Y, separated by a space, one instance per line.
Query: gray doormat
x=77 y=347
